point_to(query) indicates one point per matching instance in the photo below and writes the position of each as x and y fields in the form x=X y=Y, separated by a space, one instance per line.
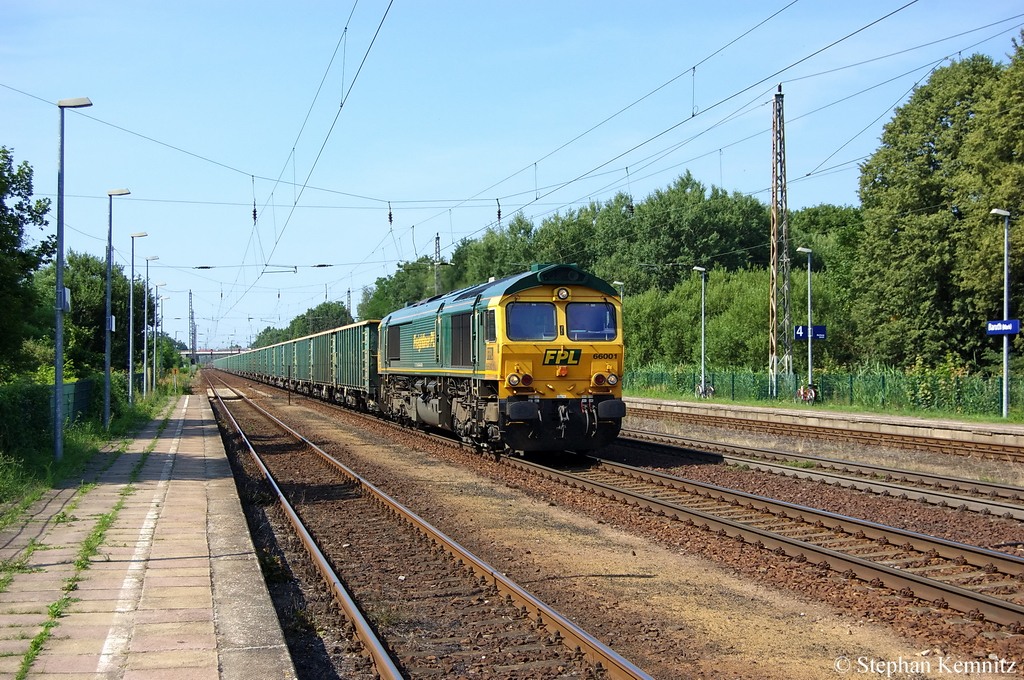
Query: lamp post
x=63 y=304
x=110 y=319
x=810 y=328
x=703 y=281
x=131 y=320
x=156 y=338
x=145 y=328
x=156 y=292
x=1006 y=307
x=622 y=288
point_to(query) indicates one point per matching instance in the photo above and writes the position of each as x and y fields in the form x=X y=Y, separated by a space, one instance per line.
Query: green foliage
x=325 y=316
x=664 y=328
x=413 y=282
x=923 y=279
x=84 y=335
x=18 y=258
x=24 y=418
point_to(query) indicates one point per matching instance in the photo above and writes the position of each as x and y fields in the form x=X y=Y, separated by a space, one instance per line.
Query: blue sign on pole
x=1007 y=327
x=817 y=333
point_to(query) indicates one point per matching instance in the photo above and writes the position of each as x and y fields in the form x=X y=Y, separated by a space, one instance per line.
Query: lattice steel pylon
x=780 y=329
x=437 y=264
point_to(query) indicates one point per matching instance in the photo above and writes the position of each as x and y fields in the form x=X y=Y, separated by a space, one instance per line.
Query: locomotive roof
x=539 y=275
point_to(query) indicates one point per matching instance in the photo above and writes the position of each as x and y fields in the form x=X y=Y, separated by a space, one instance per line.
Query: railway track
x=468 y=618
x=986 y=498
x=1001 y=451
x=980 y=583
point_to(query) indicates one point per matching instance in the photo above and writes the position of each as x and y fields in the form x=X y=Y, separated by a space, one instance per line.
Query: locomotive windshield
x=530 y=321
x=590 y=321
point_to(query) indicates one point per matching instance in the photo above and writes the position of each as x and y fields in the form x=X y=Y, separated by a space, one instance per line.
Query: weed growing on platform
x=26 y=474
x=88 y=548
x=55 y=611
x=16 y=565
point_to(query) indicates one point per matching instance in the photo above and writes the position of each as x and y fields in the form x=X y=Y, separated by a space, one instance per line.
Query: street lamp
x=156 y=337
x=622 y=288
x=156 y=292
x=703 y=282
x=1006 y=307
x=145 y=327
x=131 y=319
x=110 y=319
x=810 y=328
x=63 y=304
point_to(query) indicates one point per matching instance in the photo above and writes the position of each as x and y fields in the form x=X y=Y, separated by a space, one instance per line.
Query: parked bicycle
x=807 y=394
x=705 y=391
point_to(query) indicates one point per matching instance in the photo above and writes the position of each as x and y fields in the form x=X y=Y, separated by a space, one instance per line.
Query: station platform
x=954 y=431
x=173 y=589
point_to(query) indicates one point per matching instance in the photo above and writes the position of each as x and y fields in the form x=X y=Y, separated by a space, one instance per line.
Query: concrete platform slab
x=159 y=600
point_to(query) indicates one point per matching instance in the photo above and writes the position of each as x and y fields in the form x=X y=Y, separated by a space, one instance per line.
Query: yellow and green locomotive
x=530 y=362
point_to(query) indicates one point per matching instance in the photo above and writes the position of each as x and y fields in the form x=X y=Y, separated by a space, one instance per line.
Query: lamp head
x=76 y=103
x=998 y=211
x=801 y=249
x=118 y=192
x=138 y=234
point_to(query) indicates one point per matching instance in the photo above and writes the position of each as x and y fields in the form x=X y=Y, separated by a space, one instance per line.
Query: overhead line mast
x=779 y=329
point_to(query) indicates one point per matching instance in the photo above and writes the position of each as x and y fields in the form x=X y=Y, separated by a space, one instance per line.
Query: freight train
x=531 y=362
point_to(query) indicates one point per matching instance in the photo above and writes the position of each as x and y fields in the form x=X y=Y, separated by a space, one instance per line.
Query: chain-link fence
x=970 y=395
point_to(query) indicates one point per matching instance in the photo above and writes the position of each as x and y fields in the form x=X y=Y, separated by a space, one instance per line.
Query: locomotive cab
x=531 y=362
x=561 y=366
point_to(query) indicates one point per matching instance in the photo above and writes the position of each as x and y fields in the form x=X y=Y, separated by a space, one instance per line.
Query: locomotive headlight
x=613 y=379
x=562 y=293
x=513 y=379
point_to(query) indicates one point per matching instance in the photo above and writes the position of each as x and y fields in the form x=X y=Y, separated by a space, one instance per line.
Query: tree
x=323 y=317
x=18 y=259
x=407 y=285
x=993 y=177
x=908 y=297
x=84 y=329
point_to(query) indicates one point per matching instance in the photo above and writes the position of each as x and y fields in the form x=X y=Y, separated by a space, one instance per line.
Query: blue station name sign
x=1006 y=327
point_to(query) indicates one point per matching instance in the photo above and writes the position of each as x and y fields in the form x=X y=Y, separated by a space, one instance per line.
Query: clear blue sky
x=200 y=109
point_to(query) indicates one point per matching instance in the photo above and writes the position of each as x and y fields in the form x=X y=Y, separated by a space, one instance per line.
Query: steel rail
x=385 y=667
x=877 y=478
x=908 y=584
x=600 y=656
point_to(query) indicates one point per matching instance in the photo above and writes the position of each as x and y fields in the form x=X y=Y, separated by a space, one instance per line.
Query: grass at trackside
x=25 y=476
x=1016 y=417
x=88 y=548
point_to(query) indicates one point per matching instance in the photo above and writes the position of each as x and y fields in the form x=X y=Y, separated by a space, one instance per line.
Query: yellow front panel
x=560 y=368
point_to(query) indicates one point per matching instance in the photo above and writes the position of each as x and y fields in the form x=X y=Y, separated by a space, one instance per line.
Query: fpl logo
x=562 y=357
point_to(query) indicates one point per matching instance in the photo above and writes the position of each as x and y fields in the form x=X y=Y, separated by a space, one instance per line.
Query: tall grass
x=27 y=466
